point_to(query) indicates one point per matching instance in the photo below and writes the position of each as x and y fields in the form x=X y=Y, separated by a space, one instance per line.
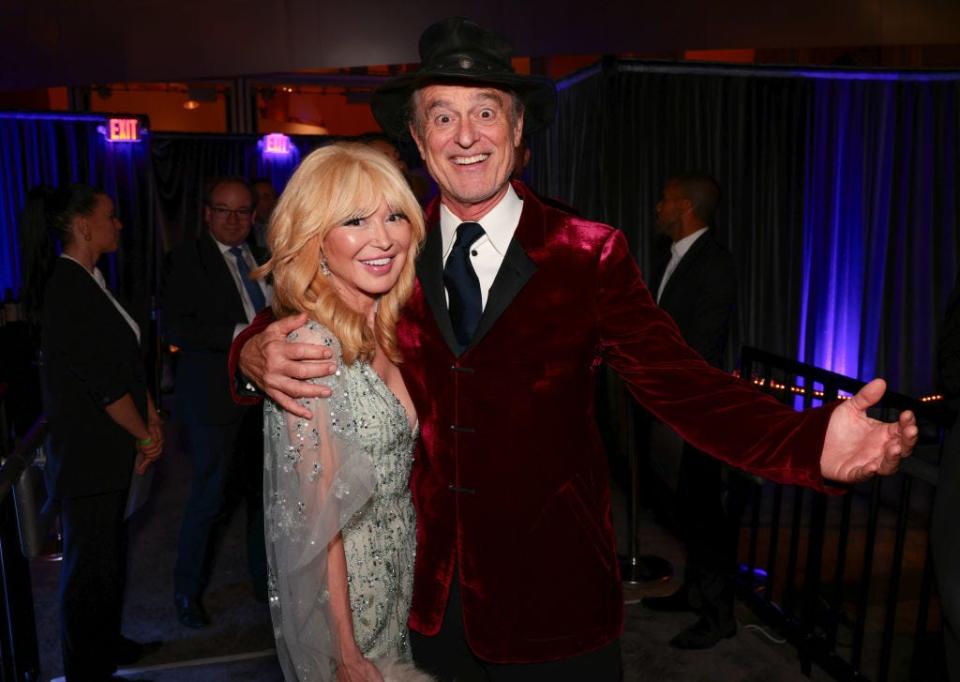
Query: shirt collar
x=680 y=248
x=225 y=248
x=498 y=224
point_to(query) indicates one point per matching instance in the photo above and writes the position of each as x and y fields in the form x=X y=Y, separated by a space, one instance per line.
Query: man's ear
x=416 y=138
x=518 y=131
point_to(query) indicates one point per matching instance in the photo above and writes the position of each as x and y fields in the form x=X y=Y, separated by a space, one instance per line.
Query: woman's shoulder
x=319 y=334
x=68 y=270
x=69 y=287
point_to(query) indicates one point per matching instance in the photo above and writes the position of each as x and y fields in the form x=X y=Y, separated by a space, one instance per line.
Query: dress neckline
x=413 y=429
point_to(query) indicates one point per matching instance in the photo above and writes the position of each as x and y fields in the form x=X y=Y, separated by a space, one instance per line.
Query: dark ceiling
x=70 y=42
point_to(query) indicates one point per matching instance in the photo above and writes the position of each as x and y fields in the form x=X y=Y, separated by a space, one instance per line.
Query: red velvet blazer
x=510 y=480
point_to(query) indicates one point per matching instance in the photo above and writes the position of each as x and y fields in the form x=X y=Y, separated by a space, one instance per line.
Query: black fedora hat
x=457 y=50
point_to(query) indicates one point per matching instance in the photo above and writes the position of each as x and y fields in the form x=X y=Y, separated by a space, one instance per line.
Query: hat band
x=466 y=63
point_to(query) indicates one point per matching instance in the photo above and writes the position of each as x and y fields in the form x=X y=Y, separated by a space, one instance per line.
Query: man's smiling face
x=467 y=136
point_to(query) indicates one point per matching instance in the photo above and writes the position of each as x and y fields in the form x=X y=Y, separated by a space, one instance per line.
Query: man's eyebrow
x=436 y=104
x=490 y=94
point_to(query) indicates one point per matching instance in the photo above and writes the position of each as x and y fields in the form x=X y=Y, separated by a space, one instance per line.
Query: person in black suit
x=103 y=423
x=697 y=284
x=208 y=298
x=946 y=507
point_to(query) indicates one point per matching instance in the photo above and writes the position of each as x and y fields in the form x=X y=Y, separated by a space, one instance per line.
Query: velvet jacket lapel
x=430 y=273
x=515 y=271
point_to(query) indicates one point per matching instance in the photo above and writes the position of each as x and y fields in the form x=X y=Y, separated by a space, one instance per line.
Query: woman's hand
x=143 y=462
x=149 y=448
x=155 y=427
x=154 y=421
x=356 y=668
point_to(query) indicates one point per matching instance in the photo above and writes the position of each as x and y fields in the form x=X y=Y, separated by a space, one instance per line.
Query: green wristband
x=145 y=441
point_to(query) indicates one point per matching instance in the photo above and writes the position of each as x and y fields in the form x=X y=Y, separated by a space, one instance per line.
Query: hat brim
x=391 y=101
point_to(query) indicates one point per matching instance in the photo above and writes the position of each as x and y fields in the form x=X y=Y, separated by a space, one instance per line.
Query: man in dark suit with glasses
x=208 y=298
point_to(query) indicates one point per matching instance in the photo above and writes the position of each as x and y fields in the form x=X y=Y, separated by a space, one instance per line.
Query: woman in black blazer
x=103 y=422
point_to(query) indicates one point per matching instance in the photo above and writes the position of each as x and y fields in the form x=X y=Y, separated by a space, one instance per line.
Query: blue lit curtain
x=55 y=149
x=840 y=195
x=880 y=225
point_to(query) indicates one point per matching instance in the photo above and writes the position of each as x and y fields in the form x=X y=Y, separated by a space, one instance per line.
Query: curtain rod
x=784 y=71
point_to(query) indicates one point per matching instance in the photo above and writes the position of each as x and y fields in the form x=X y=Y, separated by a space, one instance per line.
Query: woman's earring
x=324 y=268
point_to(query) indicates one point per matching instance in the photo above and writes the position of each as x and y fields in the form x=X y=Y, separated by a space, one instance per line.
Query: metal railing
x=847 y=578
x=19 y=655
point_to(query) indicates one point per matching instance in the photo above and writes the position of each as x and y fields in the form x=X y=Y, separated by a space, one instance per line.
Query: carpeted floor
x=237 y=646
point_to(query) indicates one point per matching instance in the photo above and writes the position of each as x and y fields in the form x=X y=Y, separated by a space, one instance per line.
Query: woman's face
x=103 y=226
x=366 y=254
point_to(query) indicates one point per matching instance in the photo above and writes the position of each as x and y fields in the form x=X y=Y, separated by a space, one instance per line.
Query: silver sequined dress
x=346 y=470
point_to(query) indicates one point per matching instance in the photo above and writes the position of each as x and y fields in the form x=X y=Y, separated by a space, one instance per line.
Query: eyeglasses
x=238 y=213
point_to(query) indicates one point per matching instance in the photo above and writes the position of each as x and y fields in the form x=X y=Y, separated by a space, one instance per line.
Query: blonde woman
x=339 y=519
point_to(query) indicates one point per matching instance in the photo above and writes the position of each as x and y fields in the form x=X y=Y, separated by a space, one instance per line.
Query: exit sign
x=123 y=130
x=276 y=143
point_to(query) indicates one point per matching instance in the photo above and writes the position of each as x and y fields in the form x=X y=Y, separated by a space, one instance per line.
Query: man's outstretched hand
x=857 y=447
x=281 y=368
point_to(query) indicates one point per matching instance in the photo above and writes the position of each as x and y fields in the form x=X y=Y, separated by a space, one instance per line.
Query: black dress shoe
x=703 y=634
x=130 y=651
x=673 y=603
x=651 y=568
x=190 y=611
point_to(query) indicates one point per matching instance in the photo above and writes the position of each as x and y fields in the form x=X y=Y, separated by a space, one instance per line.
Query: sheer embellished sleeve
x=316 y=478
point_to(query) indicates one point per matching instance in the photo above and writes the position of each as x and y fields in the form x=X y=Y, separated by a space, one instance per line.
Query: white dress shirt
x=677 y=251
x=102 y=283
x=486 y=254
x=235 y=273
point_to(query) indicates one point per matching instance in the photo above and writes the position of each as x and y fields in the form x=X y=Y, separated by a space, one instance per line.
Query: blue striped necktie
x=253 y=289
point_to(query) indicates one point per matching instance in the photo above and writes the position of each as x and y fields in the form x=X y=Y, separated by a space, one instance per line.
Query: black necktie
x=253 y=289
x=462 y=284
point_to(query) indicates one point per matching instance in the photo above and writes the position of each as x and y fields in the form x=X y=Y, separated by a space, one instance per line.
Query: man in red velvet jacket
x=516 y=573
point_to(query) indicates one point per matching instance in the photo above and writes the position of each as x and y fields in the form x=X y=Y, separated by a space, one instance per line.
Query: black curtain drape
x=800 y=156
x=182 y=164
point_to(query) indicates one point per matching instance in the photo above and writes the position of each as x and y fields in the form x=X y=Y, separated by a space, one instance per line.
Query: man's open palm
x=857 y=447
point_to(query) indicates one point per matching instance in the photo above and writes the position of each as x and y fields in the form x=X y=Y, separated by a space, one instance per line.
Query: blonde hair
x=332 y=185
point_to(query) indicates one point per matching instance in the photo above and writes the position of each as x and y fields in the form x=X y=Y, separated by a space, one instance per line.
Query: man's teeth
x=467 y=160
x=378 y=261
